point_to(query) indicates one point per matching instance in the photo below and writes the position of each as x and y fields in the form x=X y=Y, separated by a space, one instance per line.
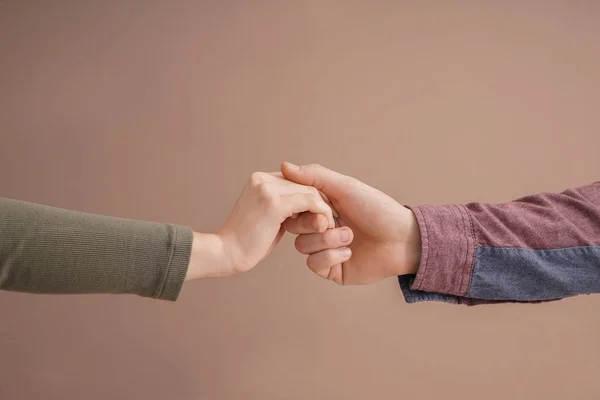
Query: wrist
x=409 y=246
x=413 y=245
x=208 y=258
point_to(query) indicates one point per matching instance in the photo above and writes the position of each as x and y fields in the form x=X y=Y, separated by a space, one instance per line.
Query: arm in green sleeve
x=49 y=250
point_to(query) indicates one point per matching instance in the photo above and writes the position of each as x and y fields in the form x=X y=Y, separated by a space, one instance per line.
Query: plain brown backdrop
x=160 y=110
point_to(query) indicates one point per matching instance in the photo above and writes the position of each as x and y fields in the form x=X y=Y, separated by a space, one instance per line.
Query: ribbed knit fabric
x=55 y=251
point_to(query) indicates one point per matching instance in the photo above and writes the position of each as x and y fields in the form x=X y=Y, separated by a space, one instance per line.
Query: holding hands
x=376 y=237
x=351 y=232
x=254 y=227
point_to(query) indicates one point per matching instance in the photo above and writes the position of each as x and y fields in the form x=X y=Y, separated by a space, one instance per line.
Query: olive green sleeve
x=55 y=251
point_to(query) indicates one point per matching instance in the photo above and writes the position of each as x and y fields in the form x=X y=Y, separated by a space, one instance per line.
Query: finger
x=330 y=239
x=289 y=187
x=333 y=184
x=289 y=198
x=326 y=199
x=306 y=223
x=327 y=263
x=301 y=202
x=293 y=187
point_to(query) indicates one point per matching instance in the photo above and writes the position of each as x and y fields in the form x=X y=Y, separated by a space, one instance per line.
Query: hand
x=254 y=228
x=377 y=237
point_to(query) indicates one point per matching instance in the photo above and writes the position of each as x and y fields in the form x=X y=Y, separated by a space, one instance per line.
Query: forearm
x=536 y=248
x=50 y=250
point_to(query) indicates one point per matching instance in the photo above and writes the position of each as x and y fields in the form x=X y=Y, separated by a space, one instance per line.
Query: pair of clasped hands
x=352 y=233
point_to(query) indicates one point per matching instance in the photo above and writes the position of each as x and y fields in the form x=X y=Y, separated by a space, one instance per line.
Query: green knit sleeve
x=49 y=250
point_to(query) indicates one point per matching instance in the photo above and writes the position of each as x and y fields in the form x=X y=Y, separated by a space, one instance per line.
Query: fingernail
x=344 y=236
x=346 y=253
x=292 y=166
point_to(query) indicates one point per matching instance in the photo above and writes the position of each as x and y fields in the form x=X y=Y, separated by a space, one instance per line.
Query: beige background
x=160 y=110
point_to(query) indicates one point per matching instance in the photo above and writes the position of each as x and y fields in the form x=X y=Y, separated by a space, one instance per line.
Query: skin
x=352 y=233
x=254 y=227
x=376 y=237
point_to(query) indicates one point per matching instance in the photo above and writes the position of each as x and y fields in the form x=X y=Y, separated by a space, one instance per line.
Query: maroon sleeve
x=540 y=247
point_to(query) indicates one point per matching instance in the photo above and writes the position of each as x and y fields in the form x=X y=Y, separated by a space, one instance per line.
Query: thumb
x=332 y=184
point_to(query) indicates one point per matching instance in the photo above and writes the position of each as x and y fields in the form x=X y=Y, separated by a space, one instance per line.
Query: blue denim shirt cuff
x=417 y=296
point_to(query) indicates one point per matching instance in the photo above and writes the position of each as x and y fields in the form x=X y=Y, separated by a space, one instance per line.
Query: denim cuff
x=416 y=296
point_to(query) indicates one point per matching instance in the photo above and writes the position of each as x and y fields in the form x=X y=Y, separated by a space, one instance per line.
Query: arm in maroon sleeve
x=536 y=248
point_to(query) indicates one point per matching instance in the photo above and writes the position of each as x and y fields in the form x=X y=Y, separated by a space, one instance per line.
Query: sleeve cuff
x=178 y=263
x=417 y=296
x=447 y=255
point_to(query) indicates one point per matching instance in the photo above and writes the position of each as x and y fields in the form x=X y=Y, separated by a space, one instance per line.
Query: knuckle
x=314 y=167
x=256 y=178
x=318 y=196
x=314 y=198
x=313 y=190
x=328 y=238
x=329 y=257
x=267 y=194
